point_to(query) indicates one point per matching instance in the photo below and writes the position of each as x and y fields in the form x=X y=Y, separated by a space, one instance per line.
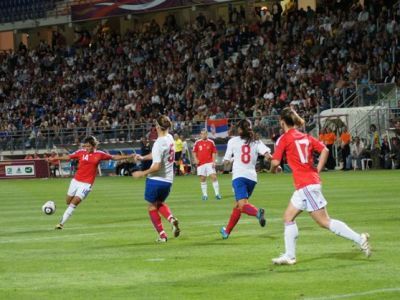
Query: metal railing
x=40 y=138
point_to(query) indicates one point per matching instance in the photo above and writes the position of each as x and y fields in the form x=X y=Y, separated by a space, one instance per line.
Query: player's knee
x=324 y=223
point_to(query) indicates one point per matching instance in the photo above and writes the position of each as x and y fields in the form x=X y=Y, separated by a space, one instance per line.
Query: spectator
x=375 y=146
x=54 y=165
x=395 y=152
x=345 y=138
x=356 y=154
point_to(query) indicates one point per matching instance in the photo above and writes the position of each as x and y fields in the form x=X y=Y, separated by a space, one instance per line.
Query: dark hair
x=91 y=140
x=164 y=122
x=291 y=118
x=247 y=133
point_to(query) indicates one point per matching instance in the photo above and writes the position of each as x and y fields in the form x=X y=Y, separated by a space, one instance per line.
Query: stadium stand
x=111 y=85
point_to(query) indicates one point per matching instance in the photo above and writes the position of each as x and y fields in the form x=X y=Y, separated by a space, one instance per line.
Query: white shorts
x=309 y=198
x=79 y=189
x=206 y=170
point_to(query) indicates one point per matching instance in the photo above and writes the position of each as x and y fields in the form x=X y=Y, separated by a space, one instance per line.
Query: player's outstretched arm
x=275 y=166
x=267 y=156
x=62 y=157
x=154 y=168
x=146 y=157
x=121 y=157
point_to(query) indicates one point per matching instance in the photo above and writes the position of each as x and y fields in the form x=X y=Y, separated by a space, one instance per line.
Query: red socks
x=156 y=220
x=164 y=211
x=250 y=209
x=235 y=216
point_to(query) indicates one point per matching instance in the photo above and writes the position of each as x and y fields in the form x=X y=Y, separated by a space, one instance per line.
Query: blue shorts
x=156 y=190
x=243 y=188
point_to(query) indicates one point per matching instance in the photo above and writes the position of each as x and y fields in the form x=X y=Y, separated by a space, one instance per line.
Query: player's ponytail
x=163 y=122
x=91 y=140
x=246 y=131
x=291 y=118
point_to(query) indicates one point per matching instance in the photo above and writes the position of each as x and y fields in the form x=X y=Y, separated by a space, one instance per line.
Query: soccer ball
x=49 y=208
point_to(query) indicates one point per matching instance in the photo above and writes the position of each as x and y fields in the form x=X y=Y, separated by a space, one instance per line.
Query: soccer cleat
x=175 y=227
x=204 y=198
x=283 y=260
x=224 y=234
x=218 y=197
x=162 y=239
x=59 y=226
x=364 y=244
x=261 y=216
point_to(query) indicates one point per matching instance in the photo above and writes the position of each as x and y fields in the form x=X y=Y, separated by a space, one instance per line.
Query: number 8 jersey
x=299 y=148
x=163 y=152
x=244 y=157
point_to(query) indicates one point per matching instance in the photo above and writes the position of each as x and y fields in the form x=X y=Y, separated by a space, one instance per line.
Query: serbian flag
x=217 y=128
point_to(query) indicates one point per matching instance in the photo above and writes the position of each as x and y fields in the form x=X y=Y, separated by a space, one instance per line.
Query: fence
x=42 y=138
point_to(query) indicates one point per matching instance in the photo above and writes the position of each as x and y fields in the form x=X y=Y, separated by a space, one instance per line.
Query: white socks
x=341 y=229
x=68 y=213
x=216 y=187
x=291 y=234
x=204 y=188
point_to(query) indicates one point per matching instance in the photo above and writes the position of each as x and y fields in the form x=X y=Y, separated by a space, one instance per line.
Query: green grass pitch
x=108 y=250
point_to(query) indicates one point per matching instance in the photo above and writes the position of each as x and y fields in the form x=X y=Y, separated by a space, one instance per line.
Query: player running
x=245 y=150
x=299 y=148
x=89 y=158
x=159 y=178
x=204 y=153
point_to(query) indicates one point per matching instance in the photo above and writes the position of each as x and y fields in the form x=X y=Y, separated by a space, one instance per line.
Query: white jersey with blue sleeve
x=163 y=152
x=244 y=157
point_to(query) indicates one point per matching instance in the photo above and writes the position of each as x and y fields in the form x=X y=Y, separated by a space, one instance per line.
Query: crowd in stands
x=249 y=65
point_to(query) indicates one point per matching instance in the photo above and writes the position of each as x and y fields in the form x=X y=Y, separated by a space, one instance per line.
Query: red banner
x=104 y=9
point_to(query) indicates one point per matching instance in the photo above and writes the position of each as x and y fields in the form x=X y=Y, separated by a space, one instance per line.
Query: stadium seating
x=112 y=85
x=20 y=10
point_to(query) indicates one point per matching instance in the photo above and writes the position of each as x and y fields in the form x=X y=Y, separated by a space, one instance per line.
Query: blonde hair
x=291 y=118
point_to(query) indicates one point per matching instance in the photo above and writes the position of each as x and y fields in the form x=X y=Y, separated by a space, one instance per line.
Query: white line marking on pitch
x=343 y=296
x=155 y=259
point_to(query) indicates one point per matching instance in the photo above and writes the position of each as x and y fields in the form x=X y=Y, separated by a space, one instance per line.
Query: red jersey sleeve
x=76 y=155
x=214 y=148
x=317 y=145
x=196 y=147
x=279 y=148
x=105 y=156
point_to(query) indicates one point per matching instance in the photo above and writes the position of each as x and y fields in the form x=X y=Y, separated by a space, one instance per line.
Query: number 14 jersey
x=299 y=148
x=244 y=157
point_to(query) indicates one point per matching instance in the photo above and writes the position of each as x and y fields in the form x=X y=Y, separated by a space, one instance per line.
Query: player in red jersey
x=89 y=158
x=299 y=148
x=204 y=152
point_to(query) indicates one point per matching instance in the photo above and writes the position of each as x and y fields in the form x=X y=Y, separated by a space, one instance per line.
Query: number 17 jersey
x=244 y=157
x=299 y=148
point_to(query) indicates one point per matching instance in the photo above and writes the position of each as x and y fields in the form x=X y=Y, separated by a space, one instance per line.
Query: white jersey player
x=159 y=178
x=245 y=151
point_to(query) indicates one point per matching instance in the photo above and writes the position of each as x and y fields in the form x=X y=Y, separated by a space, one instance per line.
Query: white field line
x=46 y=238
x=72 y=235
x=344 y=296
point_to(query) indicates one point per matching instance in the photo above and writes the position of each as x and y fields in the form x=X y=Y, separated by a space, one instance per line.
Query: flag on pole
x=217 y=128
